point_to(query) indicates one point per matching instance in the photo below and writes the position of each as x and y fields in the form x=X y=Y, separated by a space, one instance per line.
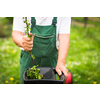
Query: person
x=49 y=46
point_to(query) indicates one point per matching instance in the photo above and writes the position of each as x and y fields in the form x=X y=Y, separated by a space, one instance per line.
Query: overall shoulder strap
x=33 y=21
x=54 y=22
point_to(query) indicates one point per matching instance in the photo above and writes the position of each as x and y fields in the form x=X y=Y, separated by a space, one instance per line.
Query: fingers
x=27 y=38
x=65 y=73
x=58 y=71
x=27 y=43
x=30 y=34
x=27 y=47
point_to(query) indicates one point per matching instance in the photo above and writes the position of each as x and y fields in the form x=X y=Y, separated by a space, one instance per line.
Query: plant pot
x=49 y=77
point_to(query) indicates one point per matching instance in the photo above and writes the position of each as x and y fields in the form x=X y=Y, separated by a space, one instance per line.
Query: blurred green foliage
x=83 y=58
x=10 y=19
x=84 y=52
x=5 y=26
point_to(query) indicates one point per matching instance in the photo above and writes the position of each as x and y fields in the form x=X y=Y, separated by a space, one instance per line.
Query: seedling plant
x=33 y=72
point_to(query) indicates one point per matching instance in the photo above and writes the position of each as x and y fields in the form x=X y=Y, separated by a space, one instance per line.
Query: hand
x=27 y=43
x=61 y=68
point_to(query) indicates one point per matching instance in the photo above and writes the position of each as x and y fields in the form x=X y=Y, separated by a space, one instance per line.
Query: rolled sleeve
x=65 y=25
x=18 y=24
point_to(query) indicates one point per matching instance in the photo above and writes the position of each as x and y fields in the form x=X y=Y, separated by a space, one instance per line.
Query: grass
x=83 y=58
x=9 y=61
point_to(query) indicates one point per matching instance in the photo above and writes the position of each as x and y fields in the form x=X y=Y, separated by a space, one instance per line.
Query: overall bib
x=44 y=47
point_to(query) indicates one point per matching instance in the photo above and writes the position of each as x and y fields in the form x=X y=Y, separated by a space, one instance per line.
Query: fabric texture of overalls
x=44 y=47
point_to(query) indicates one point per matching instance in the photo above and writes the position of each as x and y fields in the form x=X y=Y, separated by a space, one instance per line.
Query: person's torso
x=44 y=42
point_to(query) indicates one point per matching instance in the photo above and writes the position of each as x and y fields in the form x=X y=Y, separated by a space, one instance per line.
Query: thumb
x=59 y=72
x=30 y=34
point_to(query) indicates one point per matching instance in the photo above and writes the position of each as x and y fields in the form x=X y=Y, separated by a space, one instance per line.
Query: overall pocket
x=44 y=46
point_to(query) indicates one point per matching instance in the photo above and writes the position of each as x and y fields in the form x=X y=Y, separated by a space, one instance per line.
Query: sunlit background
x=83 y=58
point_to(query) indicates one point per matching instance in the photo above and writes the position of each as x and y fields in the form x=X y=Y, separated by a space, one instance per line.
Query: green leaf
x=33 y=57
x=39 y=77
x=24 y=21
x=26 y=31
x=37 y=70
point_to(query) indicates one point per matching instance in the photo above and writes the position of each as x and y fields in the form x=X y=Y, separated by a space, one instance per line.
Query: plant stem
x=28 y=35
x=31 y=57
x=26 y=25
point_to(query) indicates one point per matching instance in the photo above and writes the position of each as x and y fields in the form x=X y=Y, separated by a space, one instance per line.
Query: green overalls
x=44 y=47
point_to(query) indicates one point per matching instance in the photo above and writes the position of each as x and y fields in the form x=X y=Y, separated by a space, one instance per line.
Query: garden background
x=83 y=58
